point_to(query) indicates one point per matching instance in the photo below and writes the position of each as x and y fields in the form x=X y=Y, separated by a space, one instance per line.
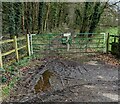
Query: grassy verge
x=10 y=75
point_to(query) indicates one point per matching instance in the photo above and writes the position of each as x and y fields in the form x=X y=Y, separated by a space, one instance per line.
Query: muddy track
x=72 y=81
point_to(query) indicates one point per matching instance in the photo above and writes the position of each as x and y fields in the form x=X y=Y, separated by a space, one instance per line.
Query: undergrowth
x=11 y=74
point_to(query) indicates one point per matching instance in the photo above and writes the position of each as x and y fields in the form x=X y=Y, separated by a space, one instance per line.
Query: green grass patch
x=13 y=72
x=6 y=89
x=23 y=62
x=112 y=30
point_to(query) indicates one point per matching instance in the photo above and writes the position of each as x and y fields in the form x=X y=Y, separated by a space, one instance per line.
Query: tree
x=40 y=14
x=28 y=17
x=47 y=14
x=98 y=10
x=17 y=17
x=11 y=19
x=88 y=10
x=23 y=18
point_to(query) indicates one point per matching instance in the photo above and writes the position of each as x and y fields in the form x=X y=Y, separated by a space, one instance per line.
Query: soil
x=68 y=78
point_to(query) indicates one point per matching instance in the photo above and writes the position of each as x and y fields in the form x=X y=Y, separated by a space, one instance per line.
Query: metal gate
x=77 y=43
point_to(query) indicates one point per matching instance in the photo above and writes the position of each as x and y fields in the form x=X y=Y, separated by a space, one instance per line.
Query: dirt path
x=71 y=80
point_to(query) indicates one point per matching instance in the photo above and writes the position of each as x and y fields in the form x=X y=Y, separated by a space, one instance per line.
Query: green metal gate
x=78 y=43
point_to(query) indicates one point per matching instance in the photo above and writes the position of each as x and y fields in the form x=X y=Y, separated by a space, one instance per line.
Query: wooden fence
x=16 y=48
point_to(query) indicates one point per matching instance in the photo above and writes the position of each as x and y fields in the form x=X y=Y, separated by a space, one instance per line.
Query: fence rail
x=15 y=41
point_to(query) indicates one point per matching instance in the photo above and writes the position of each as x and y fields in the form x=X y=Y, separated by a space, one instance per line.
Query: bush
x=115 y=49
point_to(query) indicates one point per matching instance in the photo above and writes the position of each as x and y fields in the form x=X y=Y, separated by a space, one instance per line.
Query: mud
x=65 y=80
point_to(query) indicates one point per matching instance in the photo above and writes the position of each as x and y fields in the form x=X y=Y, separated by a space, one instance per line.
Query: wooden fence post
x=28 y=45
x=1 y=63
x=16 y=48
x=107 y=43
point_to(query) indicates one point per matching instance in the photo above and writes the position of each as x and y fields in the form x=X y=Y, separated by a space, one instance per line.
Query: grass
x=13 y=72
x=112 y=30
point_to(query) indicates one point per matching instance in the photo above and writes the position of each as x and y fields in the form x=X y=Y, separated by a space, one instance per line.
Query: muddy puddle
x=43 y=83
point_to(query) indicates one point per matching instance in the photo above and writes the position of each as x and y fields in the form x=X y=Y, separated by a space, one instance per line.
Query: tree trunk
x=11 y=20
x=40 y=14
x=59 y=15
x=17 y=9
x=85 y=18
x=46 y=19
x=33 y=23
x=98 y=10
x=23 y=24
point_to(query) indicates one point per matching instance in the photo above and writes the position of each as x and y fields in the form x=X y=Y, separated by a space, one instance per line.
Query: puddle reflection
x=43 y=84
